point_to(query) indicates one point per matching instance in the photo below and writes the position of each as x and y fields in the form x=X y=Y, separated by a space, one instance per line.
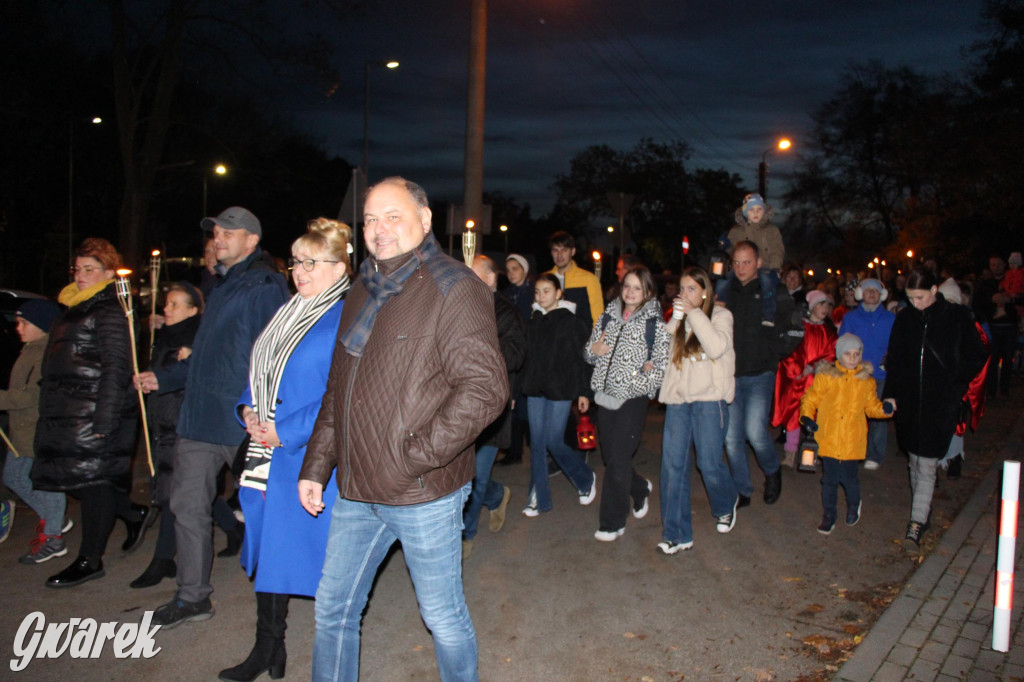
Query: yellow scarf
x=71 y=296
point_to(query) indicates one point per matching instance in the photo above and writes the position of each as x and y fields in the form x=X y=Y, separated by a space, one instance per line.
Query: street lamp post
x=96 y=120
x=366 y=107
x=762 y=168
x=219 y=169
x=504 y=229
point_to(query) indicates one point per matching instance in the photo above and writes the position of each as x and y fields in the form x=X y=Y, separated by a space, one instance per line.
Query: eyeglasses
x=85 y=270
x=307 y=264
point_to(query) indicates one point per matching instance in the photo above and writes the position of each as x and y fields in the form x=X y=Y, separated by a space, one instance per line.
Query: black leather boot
x=268 y=653
x=136 y=529
x=157 y=570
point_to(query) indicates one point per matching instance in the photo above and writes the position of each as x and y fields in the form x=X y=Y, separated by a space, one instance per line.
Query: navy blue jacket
x=239 y=308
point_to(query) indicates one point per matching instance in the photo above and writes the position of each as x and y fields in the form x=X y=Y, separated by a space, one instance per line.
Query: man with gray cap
x=248 y=294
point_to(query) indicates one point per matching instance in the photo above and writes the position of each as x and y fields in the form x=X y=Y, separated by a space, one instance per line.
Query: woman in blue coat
x=284 y=546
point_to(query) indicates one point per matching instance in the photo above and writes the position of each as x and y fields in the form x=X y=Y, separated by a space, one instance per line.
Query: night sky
x=728 y=78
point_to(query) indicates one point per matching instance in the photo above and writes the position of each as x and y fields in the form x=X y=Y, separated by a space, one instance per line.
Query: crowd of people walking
x=370 y=407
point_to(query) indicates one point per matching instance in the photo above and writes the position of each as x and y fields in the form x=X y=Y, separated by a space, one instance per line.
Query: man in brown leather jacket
x=417 y=374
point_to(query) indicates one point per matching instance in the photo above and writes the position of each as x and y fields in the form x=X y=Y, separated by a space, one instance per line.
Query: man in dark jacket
x=512 y=340
x=757 y=360
x=247 y=295
x=416 y=376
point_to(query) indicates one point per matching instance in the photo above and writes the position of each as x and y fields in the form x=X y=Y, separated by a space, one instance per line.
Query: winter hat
x=1015 y=259
x=750 y=201
x=39 y=311
x=519 y=259
x=870 y=283
x=815 y=297
x=235 y=218
x=848 y=342
x=950 y=291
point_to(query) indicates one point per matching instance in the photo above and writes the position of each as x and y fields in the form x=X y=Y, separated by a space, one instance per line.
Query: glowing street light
x=95 y=120
x=391 y=64
x=784 y=144
x=597 y=263
x=504 y=229
x=219 y=169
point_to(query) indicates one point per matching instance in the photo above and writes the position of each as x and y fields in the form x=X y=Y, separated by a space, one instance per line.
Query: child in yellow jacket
x=841 y=399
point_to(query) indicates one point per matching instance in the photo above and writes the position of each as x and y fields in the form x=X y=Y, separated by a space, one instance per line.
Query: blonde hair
x=329 y=237
x=688 y=345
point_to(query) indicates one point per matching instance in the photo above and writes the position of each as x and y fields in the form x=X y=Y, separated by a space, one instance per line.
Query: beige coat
x=710 y=377
x=21 y=399
x=766 y=235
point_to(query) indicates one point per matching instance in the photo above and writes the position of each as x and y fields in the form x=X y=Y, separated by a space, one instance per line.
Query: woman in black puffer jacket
x=88 y=410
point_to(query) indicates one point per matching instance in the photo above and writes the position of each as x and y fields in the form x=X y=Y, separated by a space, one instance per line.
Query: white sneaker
x=871 y=465
x=608 y=535
x=531 y=509
x=588 y=497
x=667 y=547
x=639 y=513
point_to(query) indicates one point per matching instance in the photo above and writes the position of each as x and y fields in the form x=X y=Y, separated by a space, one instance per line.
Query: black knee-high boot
x=268 y=653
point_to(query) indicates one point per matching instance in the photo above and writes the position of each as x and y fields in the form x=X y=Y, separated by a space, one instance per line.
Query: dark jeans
x=102 y=504
x=835 y=473
x=619 y=433
x=1004 y=343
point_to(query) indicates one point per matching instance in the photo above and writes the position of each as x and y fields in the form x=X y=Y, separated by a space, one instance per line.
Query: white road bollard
x=1004 y=556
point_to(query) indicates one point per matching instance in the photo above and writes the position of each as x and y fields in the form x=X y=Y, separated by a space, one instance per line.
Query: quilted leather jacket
x=399 y=421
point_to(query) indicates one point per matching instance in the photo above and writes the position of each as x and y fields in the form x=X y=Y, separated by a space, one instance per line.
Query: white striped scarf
x=270 y=354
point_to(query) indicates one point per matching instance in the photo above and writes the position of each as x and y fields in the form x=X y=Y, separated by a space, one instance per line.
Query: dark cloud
x=726 y=77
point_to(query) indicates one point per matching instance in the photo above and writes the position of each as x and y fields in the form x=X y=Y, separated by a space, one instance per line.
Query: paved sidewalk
x=940 y=625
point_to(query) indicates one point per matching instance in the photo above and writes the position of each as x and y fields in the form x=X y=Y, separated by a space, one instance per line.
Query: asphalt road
x=772 y=600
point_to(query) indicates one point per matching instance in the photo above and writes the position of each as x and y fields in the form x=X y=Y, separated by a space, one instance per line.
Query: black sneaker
x=853 y=515
x=668 y=547
x=727 y=521
x=174 y=613
x=826 y=525
x=915 y=531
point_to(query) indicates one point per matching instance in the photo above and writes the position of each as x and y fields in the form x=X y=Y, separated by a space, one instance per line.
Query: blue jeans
x=702 y=425
x=748 y=421
x=878 y=431
x=360 y=536
x=486 y=492
x=835 y=473
x=547 y=434
x=50 y=506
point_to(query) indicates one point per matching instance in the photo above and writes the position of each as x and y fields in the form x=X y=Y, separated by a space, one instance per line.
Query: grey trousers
x=922 y=486
x=196 y=465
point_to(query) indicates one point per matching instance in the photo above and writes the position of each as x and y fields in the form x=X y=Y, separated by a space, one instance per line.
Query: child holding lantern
x=841 y=398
